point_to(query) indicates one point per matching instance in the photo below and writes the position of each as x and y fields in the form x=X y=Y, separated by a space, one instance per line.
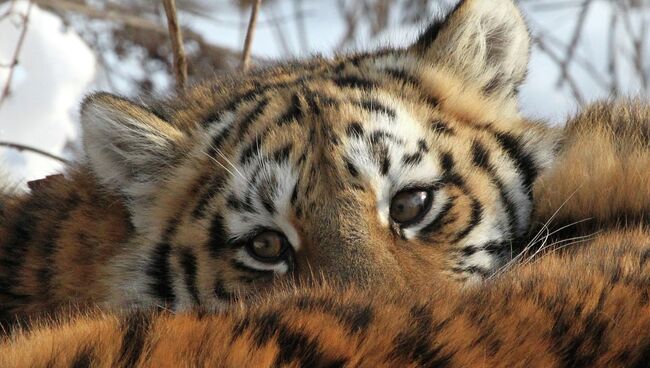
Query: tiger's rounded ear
x=129 y=148
x=483 y=41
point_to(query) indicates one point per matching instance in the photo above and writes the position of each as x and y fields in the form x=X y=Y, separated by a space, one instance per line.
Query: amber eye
x=409 y=206
x=267 y=246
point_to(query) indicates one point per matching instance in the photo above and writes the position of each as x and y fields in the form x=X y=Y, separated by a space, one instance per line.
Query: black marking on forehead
x=380 y=136
x=350 y=81
x=281 y=155
x=423 y=146
x=440 y=127
x=447 y=162
x=293 y=113
x=188 y=263
x=354 y=129
x=218 y=236
x=403 y=76
x=522 y=159
x=480 y=155
x=159 y=271
x=217 y=142
x=384 y=162
x=216 y=185
x=257 y=111
x=374 y=106
x=412 y=159
x=252 y=148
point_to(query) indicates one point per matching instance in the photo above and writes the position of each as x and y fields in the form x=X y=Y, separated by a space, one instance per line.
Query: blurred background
x=54 y=52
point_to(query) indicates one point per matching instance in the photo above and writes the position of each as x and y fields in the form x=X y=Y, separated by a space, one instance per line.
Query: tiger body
x=585 y=303
x=163 y=211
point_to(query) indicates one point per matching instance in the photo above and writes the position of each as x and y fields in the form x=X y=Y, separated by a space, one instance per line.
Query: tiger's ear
x=129 y=148
x=483 y=41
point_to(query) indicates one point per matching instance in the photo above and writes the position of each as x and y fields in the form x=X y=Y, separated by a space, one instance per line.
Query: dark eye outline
x=430 y=190
x=274 y=260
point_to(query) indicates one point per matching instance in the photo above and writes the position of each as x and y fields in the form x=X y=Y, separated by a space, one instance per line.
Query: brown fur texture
x=585 y=305
x=165 y=207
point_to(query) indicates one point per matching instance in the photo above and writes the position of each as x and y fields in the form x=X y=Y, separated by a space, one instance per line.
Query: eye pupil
x=267 y=246
x=409 y=206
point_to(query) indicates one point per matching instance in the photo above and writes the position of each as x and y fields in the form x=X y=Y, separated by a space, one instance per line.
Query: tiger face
x=401 y=168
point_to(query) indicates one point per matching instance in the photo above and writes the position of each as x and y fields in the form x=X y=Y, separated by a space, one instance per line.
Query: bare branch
x=21 y=147
x=573 y=45
x=573 y=86
x=176 y=37
x=14 y=59
x=246 y=55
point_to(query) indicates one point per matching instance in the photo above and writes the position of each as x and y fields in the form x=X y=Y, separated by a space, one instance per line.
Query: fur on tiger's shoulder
x=399 y=168
x=557 y=312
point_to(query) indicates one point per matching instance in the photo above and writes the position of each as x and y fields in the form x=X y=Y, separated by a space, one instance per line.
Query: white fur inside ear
x=486 y=42
x=129 y=148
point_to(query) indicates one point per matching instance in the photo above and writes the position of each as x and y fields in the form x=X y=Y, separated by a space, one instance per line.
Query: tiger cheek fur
x=289 y=173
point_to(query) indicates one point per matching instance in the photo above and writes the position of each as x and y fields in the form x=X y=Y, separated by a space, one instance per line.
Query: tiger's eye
x=267 y=246
x=410 y=206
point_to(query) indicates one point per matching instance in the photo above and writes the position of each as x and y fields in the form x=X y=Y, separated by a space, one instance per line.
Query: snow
x=55 y=68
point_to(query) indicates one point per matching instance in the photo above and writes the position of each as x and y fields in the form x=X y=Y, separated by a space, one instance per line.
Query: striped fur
x=573 y=305
x=161 y=210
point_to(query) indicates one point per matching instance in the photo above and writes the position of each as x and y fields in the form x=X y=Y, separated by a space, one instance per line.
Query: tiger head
x=402 y=167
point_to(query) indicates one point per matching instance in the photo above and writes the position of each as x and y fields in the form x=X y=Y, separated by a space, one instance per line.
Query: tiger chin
x=402 y=168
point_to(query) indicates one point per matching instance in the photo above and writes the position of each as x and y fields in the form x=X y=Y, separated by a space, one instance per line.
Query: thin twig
x=14 y=59
x=573 y=86
x=176 y=37
x=21 y=147
x=612 y=66
x=573 y=45
x=246 y=55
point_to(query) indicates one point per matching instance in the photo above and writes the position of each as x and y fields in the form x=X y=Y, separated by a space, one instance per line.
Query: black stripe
x=431 y=33
x=412 y=159
x=254 y=114
x=49 y=246
x=418 y=342
x=475 y=219
x=160 y=273
x=481 y=158
x=215 y=187
x=218 y=236
x=354 y=129
x=403 y=76
x=440 y=127
x=523 y=161
x=436 y=224
x=351 y=81
x=83 y=358
x=293 y=113
x=252 y=149
x=135 y=328
x=374 y=106
x=351 y=168
x=221 y=293
x=281 y=155
x=188 y=262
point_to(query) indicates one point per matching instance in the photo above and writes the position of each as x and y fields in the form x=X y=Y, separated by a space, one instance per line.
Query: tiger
x=401 y=168
x=581 y=300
